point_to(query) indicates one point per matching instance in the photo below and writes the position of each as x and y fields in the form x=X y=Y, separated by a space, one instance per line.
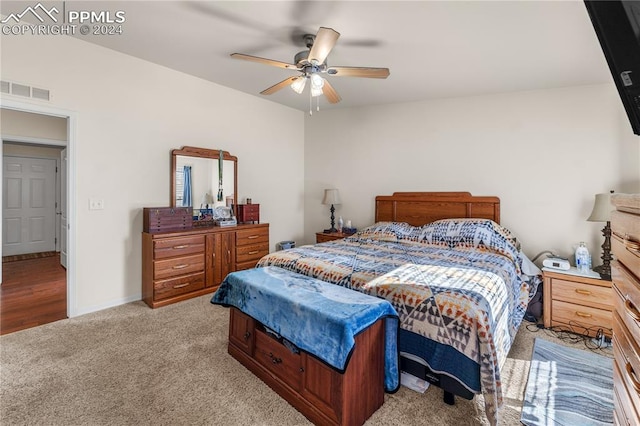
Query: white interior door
x=63 y=208
x=28 y=207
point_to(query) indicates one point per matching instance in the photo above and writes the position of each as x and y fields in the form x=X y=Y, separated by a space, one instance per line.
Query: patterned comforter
x=457 y=282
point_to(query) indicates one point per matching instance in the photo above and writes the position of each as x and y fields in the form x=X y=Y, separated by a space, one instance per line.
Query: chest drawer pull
x=247 y=335
x=583 y=315
x=585 y=292
x=274 y=359
x=631 y=309
x=181 y=285
x=252 y=237
x=184 y=265
x=183 y=246
x=254 y=252
x=632 y=377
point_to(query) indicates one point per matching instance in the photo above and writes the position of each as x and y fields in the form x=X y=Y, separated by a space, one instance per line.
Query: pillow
x=389 y=231
x=471 y=233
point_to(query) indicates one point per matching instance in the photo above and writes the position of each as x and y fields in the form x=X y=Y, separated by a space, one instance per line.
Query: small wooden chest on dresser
x=248 y=213
x=159 y=219
x=625 y=273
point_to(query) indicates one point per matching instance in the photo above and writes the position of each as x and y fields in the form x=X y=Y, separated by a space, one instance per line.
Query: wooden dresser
x=184 y=264
x=625 y=273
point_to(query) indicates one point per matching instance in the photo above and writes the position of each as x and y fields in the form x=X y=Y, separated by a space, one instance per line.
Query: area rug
x=567 y=386
x=27 y=256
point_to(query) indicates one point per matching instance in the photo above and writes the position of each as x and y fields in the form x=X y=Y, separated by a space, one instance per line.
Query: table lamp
x=331 y=197
x=601 y=213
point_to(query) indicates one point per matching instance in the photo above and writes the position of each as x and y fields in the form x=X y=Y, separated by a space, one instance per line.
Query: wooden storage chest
x=160 y=219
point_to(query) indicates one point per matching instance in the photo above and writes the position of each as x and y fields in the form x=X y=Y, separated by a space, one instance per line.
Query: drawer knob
x=631 y=309
x=583 y=315
x=274 y=359
x=252 y=237
x=183 y=246
x=182 y=266
x=632 y=376
x=254 y=252
x=584 y=292
x=247 y=335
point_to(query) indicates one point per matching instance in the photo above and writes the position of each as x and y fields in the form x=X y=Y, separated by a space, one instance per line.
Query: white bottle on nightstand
x=583 y=258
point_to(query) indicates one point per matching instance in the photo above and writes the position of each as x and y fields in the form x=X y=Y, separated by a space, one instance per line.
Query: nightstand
x=322 y=237
x=577 y=303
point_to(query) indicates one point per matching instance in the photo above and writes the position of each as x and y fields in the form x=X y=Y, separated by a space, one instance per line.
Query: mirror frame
x=192 y=151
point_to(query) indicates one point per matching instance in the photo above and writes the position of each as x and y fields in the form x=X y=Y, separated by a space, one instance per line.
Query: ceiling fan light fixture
x=317 y=81
x=298 y=84
x=316 y=91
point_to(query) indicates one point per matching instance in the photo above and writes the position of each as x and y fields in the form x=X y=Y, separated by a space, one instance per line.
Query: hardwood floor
x=33 y=292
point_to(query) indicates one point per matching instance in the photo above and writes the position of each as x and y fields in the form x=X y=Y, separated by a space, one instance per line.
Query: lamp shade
x=601 y=208
x=331 y=196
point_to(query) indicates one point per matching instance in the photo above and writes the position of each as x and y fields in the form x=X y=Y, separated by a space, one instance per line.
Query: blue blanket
x=318 y=317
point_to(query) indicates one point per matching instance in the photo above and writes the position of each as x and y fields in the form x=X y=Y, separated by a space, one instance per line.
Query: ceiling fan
x=312 y=66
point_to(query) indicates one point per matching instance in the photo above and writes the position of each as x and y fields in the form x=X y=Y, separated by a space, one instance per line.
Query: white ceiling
x=434 y=49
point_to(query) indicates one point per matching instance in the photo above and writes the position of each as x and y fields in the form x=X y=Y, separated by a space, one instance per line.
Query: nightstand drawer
x=585 y=316
x=627 y=253
x=582 y=294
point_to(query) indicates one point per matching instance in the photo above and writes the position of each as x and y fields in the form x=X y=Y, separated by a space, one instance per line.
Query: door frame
x=71 y=116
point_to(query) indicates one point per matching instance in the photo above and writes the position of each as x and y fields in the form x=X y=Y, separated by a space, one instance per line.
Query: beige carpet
x=133 y=365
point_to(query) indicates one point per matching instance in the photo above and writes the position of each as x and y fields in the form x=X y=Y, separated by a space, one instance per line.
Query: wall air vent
x=17 y=89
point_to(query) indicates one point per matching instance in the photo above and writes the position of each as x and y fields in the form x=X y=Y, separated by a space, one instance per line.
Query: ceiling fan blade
x=367 y=72
x=264 y=61
x=325 y=40
x=330 y=93
x=282 y=84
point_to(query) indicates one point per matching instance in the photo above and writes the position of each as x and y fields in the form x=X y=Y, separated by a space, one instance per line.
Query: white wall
x=130 y=114
x=544 y=153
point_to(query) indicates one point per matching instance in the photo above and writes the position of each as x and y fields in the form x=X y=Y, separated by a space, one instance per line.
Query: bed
x=456 y=277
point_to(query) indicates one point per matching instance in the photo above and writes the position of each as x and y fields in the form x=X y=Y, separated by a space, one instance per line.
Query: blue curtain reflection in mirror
x=186 y=190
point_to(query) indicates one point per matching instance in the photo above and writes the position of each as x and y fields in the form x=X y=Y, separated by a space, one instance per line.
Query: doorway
x=53 y=285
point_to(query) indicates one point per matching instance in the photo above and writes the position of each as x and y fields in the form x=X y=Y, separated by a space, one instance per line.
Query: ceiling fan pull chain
x=318 y=103
x=310 y=103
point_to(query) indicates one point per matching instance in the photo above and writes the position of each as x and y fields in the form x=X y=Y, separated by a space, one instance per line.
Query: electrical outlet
x=96 y=204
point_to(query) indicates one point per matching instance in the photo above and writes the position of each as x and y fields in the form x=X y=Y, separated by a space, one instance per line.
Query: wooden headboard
x=419 y=208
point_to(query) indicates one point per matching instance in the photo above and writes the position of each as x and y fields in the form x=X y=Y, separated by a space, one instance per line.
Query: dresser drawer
x=585 y=316
x=583 y=294
x=624 y=412
x=173 y=287
x=253 y=252
x=252 y=236
x=276 y=358
x=180 y=246
x=627 y=253
x=178 y=266
x=627 y=300
x=625 y=353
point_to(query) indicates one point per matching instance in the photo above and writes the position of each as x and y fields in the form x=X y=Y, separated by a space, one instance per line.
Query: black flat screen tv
x=617 y=25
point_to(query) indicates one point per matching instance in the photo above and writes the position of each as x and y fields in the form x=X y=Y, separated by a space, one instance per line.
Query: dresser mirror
x=200 y=180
